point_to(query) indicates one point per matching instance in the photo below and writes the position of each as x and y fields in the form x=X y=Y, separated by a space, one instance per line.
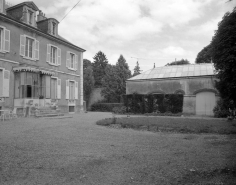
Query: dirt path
x=76 y=151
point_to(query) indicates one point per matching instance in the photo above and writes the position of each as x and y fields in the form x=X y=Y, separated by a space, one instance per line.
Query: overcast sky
x=156 y=31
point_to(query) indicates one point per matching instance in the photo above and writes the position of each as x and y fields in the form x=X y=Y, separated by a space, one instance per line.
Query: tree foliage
x=204 y=56
x=179 y=62
x=137 y=70
x=99 y=66
x=114 y=81
x=88 y=79
x=86 y=63
x=224 y=56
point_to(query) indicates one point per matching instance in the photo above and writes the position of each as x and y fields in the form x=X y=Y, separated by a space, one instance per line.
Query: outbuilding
x=195 y=81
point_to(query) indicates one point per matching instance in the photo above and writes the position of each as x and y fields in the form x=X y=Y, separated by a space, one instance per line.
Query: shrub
x=220 y=110
x=168 y=113
x=104 y=107
x=119 y=110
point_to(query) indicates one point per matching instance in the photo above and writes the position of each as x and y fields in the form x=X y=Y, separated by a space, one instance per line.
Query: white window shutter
x=36 y=50
x=58 y=88
x=68 y=59
x=22 y=45
x=48 y=52
x=76 y=91
x=7 y=40
x=6 y=81
x=58 y=56
x=76 y=62
x=67 y=89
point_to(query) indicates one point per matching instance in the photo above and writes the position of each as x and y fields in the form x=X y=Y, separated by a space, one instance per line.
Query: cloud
x=157 y=30
x=174 y=51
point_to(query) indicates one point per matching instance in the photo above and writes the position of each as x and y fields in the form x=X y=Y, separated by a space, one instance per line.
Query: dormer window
x=54 y=28
x=30 y=17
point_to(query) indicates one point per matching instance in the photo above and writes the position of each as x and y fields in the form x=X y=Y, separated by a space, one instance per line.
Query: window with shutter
x=58 y=88
x=36 y=50
x=4 y=40
x=71 y=62
x=7 y=41
x=76 y=91
x=29 y=47
x=53 y=55
x=67 y=89
x=6 y=81
x=1 y=38
x=59 y=56
x=22 y=45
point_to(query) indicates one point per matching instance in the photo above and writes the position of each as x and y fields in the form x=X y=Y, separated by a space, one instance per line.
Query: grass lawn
x=212 y=136
x=179 y=125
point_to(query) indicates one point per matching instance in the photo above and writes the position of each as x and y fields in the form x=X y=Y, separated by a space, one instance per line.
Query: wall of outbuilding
x=189 y=86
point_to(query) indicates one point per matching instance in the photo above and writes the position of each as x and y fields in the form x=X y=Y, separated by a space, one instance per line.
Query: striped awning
x=33 y=70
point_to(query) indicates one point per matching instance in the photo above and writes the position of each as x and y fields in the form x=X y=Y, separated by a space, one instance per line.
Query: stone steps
x=47 y=112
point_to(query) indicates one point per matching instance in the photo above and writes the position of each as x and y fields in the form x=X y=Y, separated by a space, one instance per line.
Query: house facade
x=38 y=68
x=195 y=82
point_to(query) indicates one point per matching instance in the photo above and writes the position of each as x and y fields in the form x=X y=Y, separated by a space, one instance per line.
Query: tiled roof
x=176 y=71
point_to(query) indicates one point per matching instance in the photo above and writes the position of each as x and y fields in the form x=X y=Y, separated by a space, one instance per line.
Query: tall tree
x=110 y=84
x=99 y=66
x=114 y=81
x=88 y=80
x=204 y=56
x=137 y=70
x=224 y=56
x=123 y=74
x=86 y=63
x=179 y=62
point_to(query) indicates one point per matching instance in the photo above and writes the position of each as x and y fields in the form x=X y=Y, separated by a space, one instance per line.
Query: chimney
x=2 y=6
x=41 y=16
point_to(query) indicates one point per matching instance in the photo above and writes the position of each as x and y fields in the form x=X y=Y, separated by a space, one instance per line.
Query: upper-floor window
x=4 y=40
x=71 y=61
x=29 y=47
x=53 y=55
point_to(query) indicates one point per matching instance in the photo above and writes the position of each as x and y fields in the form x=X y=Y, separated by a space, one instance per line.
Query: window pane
x=72 y=58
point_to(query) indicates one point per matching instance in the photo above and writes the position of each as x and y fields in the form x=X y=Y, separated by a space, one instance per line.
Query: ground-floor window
x=32 y=85
x=53 y=88
x=71 y=108
x=71 y=90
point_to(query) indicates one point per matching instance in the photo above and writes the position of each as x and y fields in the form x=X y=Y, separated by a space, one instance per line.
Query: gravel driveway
x=77 y=151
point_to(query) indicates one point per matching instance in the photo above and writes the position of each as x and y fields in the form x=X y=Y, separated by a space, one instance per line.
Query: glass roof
x=176 y=71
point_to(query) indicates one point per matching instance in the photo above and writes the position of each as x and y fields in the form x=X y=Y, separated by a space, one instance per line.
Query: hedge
x=105 y=107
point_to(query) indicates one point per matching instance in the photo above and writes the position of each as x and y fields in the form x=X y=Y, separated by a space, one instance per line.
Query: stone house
x=38 y=67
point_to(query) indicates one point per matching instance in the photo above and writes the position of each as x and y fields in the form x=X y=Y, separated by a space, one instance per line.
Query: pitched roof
x=27 y=3
x=176 y=71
